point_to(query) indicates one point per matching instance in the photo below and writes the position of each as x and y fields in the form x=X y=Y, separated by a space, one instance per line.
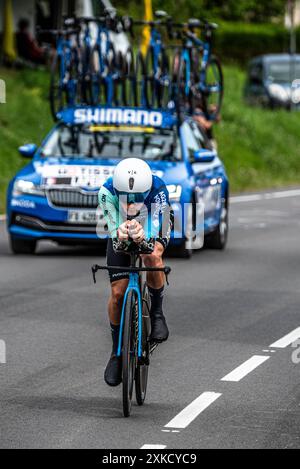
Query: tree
x=256 y=11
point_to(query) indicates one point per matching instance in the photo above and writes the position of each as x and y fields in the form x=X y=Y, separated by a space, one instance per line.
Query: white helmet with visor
x=133 y=178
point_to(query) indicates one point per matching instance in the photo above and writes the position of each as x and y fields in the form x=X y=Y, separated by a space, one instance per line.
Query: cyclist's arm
x=107 y=204
x=162 y=216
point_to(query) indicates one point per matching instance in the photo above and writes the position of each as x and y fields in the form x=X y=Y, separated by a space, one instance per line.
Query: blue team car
x=55 y=197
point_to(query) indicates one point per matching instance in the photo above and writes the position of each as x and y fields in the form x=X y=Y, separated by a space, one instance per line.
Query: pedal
x=153 y=346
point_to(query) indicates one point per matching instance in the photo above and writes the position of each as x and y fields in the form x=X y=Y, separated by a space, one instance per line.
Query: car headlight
x=175 y=191
x=26 y=187
x=279 y=92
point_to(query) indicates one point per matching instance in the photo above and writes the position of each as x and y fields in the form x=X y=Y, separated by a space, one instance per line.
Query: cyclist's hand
x=122 y=232
x=136 y=231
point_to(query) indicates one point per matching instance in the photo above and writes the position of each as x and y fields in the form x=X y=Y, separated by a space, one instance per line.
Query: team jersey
x=155 y=216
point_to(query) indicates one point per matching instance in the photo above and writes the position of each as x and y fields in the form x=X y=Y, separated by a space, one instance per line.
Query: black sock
x=115 y=330
x=156 y=296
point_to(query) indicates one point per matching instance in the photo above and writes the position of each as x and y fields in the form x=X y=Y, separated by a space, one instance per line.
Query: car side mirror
x=28 y=150
x=204 y=156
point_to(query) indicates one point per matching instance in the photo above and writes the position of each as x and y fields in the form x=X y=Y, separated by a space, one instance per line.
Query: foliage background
x=229 y=10
x=260 y=148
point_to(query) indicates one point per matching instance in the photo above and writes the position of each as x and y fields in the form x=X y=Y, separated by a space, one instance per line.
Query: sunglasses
x=133 y=198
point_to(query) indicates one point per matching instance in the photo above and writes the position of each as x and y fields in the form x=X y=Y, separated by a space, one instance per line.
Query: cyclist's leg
x=119 y=282
x=156 y=282
x=118 y=288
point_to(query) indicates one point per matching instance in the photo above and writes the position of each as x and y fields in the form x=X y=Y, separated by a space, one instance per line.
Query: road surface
x=228 y=377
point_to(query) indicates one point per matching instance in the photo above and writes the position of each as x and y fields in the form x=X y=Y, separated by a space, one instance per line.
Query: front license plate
x=83 y=217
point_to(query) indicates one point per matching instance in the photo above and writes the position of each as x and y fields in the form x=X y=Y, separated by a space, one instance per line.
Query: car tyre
x=21 y=246
x=182 y=251
x=217 y=239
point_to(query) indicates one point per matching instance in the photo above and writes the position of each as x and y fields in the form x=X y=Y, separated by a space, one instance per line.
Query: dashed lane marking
x=189 y=413
x=287 y=339
x=245 y=368
x=153 y=447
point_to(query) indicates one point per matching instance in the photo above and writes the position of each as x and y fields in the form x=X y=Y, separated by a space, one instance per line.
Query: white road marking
x=245 y=198
x=266 y=196
x=245 y=368
x=189 y=413
x=287 y=339
x=153 y=446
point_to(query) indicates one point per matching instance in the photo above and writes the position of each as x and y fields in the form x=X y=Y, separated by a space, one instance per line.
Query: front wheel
x=22 y=246
x=129 y=352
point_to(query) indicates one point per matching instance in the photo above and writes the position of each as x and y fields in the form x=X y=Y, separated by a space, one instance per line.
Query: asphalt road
x=223 y=308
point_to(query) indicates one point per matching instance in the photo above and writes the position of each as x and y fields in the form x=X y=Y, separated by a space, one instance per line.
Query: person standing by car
x=207 y=125
x=136 y=207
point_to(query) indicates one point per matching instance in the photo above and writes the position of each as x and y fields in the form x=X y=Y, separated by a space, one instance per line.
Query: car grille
x=73 y=198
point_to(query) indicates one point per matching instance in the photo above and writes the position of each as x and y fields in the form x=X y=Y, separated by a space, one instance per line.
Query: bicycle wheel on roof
x=213 y=88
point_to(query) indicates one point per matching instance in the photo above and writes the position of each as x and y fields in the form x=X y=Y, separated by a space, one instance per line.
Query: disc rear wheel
x=129 y=352
x=141 y=374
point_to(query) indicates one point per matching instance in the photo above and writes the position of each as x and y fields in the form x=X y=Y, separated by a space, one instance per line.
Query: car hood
x=91 y=174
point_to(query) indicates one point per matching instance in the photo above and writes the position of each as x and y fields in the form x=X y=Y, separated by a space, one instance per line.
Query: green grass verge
x=260 y=148
x=25 y=118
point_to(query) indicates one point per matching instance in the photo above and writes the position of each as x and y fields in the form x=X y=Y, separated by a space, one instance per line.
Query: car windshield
x=283 y=72
x=112 y=142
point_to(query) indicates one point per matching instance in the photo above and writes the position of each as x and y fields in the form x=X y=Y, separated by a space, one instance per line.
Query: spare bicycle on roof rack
x=87 y=70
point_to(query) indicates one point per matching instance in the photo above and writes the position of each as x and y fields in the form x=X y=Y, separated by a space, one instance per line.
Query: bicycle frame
x=133 y=285
x=109 y=78
x=186 y=56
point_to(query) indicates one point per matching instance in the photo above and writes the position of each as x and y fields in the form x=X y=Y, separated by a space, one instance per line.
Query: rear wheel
x=129 y=352
x=213 y=88
x=141 y=374
x=22 y=246
x=58 y=89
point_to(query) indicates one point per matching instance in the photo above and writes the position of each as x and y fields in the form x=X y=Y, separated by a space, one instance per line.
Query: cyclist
x=136 y=207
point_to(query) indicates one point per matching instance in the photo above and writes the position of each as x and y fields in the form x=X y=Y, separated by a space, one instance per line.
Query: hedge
x=240 y=42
